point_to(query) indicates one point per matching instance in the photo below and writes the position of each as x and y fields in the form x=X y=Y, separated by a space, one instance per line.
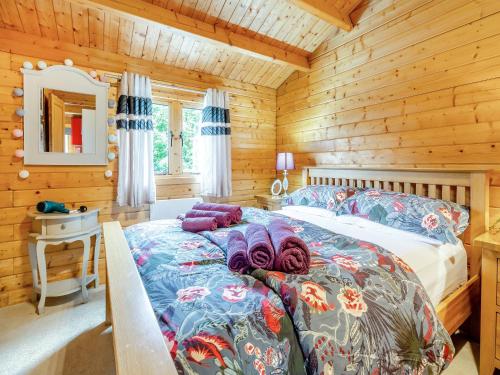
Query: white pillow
x=316 y=211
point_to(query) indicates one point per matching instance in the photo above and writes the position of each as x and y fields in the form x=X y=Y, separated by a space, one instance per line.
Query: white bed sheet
x=442 y=268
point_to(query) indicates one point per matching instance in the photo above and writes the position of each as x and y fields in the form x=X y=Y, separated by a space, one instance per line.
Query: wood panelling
x=153 y=16
x=277 y=28
x=416 y=83
x=253 y=138
x=326 y=10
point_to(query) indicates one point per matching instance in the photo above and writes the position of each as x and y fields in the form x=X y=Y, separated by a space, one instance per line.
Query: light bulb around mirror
x=24 y=174
x=17 y=133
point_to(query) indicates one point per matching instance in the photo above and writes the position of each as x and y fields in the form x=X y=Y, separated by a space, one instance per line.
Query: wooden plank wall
x=415 y=84
x=254 y=144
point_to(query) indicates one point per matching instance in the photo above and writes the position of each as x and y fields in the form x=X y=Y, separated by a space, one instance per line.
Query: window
x=161 y=138
x=191 y=120
x=175 y=138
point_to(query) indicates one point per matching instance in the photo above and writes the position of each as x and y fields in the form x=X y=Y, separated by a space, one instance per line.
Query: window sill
x=171 y=179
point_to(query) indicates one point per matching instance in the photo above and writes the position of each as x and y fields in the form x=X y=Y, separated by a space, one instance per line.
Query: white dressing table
x=55 y=229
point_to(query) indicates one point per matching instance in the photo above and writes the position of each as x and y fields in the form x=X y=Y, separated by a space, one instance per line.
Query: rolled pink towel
x=234 y=210
x=260 y=248
x=237 y=257
x=199 y=224
x=291 y=254
x=223 y=218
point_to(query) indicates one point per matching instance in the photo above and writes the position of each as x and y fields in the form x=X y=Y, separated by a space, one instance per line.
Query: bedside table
x=267 y=202
x=490 y=301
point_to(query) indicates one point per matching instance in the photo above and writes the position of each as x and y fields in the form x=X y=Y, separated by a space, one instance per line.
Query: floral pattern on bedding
x=213 y=321
x=360 y=310
x=322 y=196
x=434 y=218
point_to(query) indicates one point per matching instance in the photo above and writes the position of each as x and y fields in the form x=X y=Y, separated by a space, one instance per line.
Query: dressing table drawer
x=65 y=224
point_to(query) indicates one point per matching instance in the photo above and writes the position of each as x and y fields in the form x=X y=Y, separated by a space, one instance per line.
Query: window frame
x=175 y=127
x=196 y=108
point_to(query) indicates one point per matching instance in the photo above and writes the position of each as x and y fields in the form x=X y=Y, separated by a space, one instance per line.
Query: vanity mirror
x=65 y=117
x=67 y=122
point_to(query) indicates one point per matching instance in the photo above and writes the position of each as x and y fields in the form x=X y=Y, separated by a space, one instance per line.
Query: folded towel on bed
x=291 y=254
x=260 y=248
x=223 y=218
x=234 y=210
x=199 y=224
x=181 y=217
x=237 y=257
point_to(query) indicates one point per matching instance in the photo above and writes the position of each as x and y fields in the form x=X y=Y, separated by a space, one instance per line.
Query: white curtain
x=215 y=145
x=136 y=180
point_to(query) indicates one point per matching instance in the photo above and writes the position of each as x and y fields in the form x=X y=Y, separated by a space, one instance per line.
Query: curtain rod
x=161 y=84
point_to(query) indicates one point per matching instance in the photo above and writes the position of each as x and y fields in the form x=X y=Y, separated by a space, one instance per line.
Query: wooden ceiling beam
x=327 y=11
x=149 y=13
x=353 y=6
x=54 y=51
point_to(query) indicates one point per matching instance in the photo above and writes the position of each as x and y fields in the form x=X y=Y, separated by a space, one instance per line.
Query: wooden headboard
x=468 y=188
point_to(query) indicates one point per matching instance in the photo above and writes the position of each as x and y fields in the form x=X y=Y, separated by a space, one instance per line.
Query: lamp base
x=285 y=183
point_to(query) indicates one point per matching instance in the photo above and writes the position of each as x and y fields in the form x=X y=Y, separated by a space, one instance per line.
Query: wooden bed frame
x=470 y=189
x=138 y=343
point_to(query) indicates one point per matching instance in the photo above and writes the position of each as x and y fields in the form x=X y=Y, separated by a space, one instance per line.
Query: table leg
x=42 y=269
x=97 y=249
x=85 y=264
x=34 y=269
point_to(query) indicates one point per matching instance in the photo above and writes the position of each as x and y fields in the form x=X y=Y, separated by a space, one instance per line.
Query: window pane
x=160 y=138
x=191 y=120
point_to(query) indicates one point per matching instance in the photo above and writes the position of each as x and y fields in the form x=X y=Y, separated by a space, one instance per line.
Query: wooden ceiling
x=274 y=25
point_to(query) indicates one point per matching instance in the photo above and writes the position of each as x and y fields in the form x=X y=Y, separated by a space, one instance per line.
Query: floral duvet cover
x=360 y=310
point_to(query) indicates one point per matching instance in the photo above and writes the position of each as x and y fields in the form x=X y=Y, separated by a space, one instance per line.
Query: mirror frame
x=65 y=78
x=276 y=184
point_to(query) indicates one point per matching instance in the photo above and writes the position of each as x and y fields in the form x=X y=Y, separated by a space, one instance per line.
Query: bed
x=140 y=346
x=442 y=268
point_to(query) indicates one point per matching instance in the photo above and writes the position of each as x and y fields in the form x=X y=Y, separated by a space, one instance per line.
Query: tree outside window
x=171 y=153
x=161 y=138
x=191 y=120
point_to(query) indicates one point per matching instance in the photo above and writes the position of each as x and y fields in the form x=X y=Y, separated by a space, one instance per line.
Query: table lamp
x=284 y=162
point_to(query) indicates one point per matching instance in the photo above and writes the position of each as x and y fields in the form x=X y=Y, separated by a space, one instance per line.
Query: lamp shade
x=284 y=161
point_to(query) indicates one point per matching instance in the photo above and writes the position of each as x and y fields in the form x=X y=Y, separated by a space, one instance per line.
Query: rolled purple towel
x=199 y=224
x=234 y=210
x=223 y=218
x=291 y=252
x=260 y=248
x=237 y=257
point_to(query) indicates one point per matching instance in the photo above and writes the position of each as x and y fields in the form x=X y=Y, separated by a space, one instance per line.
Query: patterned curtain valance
x=215 y=130
x=135 y=106
x=216 y=115
x=215 y=121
